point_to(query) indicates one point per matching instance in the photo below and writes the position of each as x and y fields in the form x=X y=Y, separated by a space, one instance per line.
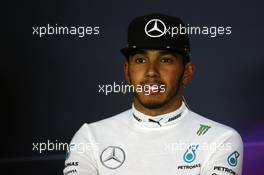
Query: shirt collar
x=159 y=120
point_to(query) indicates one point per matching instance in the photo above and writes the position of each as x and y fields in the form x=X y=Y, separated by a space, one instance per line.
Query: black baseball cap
x=157 y=31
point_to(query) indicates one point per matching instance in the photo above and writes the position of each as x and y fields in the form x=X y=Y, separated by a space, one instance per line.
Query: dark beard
x=161 y=104
x=150 y=105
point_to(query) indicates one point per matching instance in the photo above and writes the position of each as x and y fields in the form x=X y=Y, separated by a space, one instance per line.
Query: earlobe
x=188 y=73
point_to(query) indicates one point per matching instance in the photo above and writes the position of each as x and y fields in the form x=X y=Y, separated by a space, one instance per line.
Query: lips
x=151 y=88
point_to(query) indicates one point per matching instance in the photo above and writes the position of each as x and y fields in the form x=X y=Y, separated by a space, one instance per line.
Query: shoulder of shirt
x=118 y=120
x=215 y=127
x=103 y=128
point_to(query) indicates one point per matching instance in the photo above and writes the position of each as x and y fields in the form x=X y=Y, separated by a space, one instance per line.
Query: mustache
x=156 y=81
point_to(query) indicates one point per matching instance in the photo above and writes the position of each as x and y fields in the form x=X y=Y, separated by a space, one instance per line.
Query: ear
x=126 y=71
x=188 y=73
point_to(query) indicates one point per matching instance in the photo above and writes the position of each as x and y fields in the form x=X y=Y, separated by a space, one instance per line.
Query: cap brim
x=127 y=50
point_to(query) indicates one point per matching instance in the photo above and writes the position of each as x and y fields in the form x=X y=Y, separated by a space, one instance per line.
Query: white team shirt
x=177 y=143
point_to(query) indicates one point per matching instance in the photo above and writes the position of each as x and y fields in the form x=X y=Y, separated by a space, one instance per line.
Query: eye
x=166 y=60
x=140 y=60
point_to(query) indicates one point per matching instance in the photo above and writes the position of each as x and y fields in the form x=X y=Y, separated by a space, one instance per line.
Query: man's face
x=152 y=69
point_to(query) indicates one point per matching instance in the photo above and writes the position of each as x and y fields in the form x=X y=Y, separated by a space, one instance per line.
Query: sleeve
x=80 y=155
x=227 y=159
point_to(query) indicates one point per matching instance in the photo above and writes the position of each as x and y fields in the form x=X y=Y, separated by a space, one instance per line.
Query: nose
x=152 y=69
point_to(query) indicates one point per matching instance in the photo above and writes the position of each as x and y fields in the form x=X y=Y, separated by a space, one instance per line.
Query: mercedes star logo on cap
x=155 y=28
x=112 y=157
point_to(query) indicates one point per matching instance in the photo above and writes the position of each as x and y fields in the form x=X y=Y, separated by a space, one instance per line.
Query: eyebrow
x=160 y=52
x=167 y=52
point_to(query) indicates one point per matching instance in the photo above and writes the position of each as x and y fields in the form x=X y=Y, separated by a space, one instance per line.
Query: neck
x=167 y=108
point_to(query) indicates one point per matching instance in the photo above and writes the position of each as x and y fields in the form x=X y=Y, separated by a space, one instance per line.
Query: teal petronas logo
x=203 y=129
x=232 y=158
x=189 y=156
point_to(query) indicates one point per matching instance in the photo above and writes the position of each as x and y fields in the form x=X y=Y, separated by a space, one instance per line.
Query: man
x=159 y=135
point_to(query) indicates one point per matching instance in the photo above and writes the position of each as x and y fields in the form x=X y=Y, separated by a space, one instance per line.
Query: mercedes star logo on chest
x=112 y=157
